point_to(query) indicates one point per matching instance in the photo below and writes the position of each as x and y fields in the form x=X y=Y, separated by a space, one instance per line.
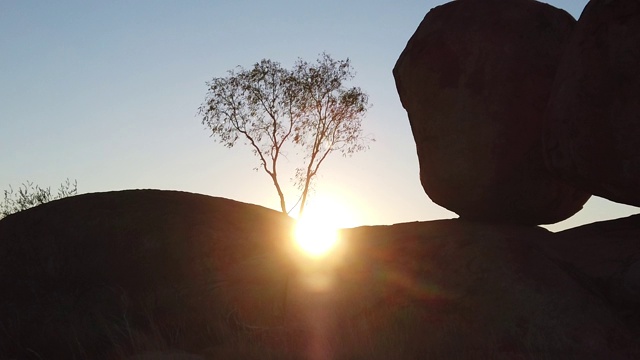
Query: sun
x=316 y=232
x=314 y=237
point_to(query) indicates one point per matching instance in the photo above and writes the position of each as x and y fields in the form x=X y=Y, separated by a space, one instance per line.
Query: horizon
x=107 y=94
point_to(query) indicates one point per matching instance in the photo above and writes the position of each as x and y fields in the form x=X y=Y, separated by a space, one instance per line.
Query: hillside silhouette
x=146 y=273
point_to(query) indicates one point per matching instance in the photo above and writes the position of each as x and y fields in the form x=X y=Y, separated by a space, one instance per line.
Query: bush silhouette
x=29 y=195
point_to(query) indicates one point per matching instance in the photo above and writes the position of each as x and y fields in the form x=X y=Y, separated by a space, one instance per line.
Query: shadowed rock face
x=140 y=273
x=91 y=275
x=475 y=79
x=607 y=255
x=490 y=288
x=593 y=139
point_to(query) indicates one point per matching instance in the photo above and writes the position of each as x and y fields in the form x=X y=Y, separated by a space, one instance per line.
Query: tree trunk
x=305 y=191
x=283 y=205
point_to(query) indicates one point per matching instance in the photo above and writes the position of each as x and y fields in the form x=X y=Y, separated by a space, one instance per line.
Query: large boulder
x=162 y=274
x=475 y=79
x=106 y=275
x=593 y=139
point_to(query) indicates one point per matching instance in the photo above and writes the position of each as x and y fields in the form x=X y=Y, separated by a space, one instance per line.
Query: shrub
x=30 y=195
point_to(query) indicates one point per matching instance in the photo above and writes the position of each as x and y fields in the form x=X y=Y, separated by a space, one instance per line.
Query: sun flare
x=316 y=232
x=314 y=237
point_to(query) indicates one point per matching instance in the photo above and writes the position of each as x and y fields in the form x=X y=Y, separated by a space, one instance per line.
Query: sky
x=107 y=92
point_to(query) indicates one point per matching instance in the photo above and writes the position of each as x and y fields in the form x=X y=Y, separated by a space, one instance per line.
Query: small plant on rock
x=29 y=195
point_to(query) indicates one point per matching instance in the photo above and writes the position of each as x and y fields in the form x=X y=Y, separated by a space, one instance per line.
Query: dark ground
x=145 y=272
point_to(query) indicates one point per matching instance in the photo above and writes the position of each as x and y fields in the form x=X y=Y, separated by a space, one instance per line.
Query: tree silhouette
x=29 y=196
x=307 y=107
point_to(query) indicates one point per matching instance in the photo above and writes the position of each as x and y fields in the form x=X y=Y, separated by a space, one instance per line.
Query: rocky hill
x=519 y=113
x=153 y=274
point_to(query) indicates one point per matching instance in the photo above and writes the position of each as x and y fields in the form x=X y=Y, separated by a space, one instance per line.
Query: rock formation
x=483 y=291
x=605 y=258
x=94 y=275
x=144 y=274
x=475 y=79
x=593 y=137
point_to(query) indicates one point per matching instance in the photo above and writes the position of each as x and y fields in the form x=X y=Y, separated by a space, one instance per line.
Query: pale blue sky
x=106 y=92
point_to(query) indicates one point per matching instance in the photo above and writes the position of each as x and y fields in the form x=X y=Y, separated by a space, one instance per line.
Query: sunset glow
x=316 y=232
x=315 y=238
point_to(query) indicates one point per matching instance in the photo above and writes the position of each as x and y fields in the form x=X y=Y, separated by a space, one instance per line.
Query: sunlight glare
x=317 y=231
x=314 y=237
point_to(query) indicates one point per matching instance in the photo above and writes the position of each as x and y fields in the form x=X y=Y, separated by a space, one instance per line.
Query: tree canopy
x=307 y=108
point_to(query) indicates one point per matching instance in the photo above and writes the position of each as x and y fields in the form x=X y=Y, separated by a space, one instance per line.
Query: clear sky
x=106 y=92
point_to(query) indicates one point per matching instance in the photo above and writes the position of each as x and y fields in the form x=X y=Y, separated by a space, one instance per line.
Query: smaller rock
x=593 y=136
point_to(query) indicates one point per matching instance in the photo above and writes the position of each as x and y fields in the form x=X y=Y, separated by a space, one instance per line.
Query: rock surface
x=593 y=139
x=134 y=274
x=106 y=275
x=605 y=257
x=475 y=79
x=487 y=291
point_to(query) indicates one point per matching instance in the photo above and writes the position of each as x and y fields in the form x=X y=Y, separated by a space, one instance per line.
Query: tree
x=307 y=108
x=29 y=196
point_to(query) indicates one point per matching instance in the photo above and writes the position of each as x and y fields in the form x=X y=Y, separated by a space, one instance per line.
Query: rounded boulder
x=475 y=79
x=593 y=137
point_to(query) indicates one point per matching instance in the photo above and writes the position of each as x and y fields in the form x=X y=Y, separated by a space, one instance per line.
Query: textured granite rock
x=593 y=137
x=109 y=275
x=475 y=79
x=483 y=291
x=140 y=274
x=605 y=258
